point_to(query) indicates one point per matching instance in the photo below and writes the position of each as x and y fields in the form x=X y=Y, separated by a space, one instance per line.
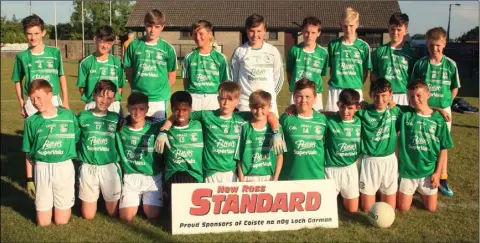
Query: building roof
x=279 y=14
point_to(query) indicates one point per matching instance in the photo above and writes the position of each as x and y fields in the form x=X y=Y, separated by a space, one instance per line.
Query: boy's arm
x=278 y=167
x=241 y=177
x=63 y=86
x=127 y=64
x=278 y=71
x=172 y=66
x=442 y=159
x=290 y=62
x=17 y=76
x=19 y=92
x=445 y=114
x=373 y=73
x=367 y=64
x=454 y=93
x=172 y=77
x=235 y=67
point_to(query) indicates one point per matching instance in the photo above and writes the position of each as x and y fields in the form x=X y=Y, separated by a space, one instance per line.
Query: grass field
x=456 y=219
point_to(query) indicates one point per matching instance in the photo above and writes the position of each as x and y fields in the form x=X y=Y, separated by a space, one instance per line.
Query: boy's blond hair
x=436 y=33
x=418 y=84
x=38 y=84
x=259 y=99
x=154 y=17
x=229 y=87
x=350 y=15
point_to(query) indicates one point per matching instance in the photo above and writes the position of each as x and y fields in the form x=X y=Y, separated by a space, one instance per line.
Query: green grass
x=456 y=219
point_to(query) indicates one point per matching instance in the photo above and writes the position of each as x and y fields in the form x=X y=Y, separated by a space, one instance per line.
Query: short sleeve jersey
x=205 y=72
x=46 y=65
x=395 y=65
x=186 y=150
x=348 y=63
x=305 y=64
x=342 y=141
x=304 y=137
x=97 y=136
x=441 y=79
x=151 y=64
x=421 y=140
x=91 y=70
x=51 y=139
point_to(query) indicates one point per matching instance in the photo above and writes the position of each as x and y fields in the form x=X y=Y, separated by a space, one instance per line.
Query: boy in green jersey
x=100 y=170
x=49 y=140
x=153 y=63
x=204 y=68
x=441 y=75
x=39 y=61
x=394 y=61
x=349 y=60
x=308 y=59
x=101 y=65
x=423 y=143
x=304 y=136
x=342 y=148
x=142 y=178
x=184 y=157
x=256 y=160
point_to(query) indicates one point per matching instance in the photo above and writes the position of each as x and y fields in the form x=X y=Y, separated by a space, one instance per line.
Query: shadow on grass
x=345 y=216
x=465 y=126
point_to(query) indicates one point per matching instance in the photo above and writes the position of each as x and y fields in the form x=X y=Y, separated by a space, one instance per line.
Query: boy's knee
x=43 y=223
x=403 y=208
x=432 y=209
x=127 y=218
x=61 y=221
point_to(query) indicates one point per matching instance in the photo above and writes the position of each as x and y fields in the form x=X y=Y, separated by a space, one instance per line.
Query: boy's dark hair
x=39 y=84
x=380 y=85
x=254 y=20
x=181 y=97
x=201 y=24
x=105 y=33
x=417 y=84
x=259 y=98
x=349 y=97
x=399 y=19
x=137 y=98
x=305 y=84
x=311 y=20
x=31 y=21
x=154 y=16
x=103 y=85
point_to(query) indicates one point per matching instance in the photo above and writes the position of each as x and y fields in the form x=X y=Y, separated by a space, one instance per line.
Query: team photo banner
x=253 y=206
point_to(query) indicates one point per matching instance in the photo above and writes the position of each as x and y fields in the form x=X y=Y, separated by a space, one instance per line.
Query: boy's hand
x=391 y=104
x=66 y=106
x=445 y=115
x=435 y=180
x=161 y=141
x=291 y=110
x=277 y=143
x=31 y=189
x=23 y=112
x=363 y=104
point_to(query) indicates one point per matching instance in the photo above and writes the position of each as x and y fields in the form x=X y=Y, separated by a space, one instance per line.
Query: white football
x=381 y=215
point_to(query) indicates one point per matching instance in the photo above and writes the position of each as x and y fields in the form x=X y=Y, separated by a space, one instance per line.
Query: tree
x=12 y=31
x=418 y=37
x=471 y=35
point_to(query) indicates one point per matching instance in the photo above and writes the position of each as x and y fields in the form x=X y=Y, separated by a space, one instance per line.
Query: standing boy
x=49 y=140
x=204 y=68
x=39 y=61
x=153 y=63
x=101 y=66
x=349 y=60
x=257 y=64
x=308 y=59
x=256 y=160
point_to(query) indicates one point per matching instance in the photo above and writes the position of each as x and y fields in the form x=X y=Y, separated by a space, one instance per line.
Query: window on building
x=325 y=38
x=185 y=34
x=273 y=35
x=373 y=39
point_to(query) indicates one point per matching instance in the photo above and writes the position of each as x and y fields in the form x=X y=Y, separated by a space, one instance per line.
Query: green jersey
x=220 y=136
x=307 y=64
x=395 y=65
x=421 y=140
x=254 y=151
x=441 y=79
x=378 y=131
x=151 y=64
x=51 y=139
x=185 y=152
x=46 y=65
x=98 y=144
x=91 y=70
x=348 y=62
x=205 y=72
x=305 y=158
x=342 y=141
x=136 y=150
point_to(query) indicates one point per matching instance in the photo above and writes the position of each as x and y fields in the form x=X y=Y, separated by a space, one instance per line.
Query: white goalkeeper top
x=260 y=68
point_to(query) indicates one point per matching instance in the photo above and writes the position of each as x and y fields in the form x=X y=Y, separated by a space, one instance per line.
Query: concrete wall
x=229 y=40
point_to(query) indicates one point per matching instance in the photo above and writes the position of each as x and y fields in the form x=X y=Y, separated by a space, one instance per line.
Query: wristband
x=29 y=179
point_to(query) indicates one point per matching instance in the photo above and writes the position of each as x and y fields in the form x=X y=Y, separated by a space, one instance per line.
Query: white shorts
x=156 y=109
x=114 y=107
x=54 y=185
x=449 y=124
x=378 y=173
x=400 y=99
x=421 y=185
x=30 y=109
x=332 y=99
x=245 y=107
x=346 y=180
x=318 y=106
x=255 y=178
x=96 y=178
x=138 y=187
x=227 y=176
x=204 y=102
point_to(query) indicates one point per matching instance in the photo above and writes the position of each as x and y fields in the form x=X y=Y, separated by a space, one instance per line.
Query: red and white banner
x=253 y=206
